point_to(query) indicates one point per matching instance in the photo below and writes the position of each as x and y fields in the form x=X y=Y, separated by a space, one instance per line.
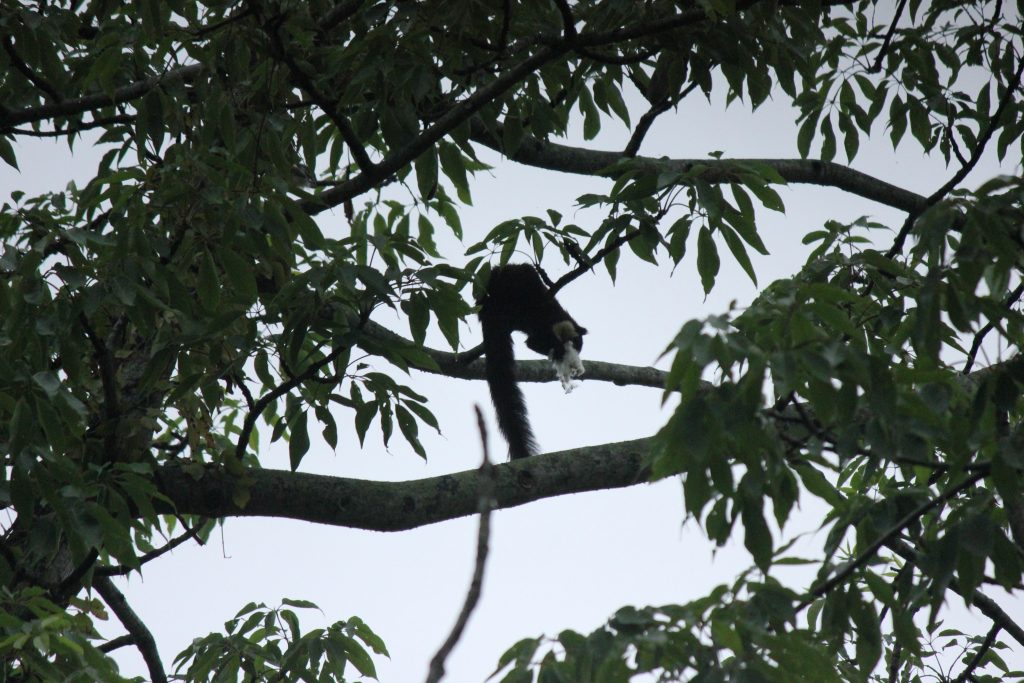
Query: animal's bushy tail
x=505 y=394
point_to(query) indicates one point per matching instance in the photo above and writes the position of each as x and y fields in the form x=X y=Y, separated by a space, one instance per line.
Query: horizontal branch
x=556 y=157
x=397 y=506
x=454 y=364
x=80 y=105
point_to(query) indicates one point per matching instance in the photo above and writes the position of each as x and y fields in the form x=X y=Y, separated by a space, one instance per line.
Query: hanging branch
x=485 y=494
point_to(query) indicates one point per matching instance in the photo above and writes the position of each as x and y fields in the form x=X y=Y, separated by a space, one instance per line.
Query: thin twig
x=26 y=71
x=967 y=673
x=115 y=643
x=597 y=258
x=485 y=505
x=330 y=108
x=988 y=327
x=77 y=128
x=645 y=122
x=140 y=633
x=990 y=128
x=250 y=418
x=568 y=21
x=869 y=553
x=989 y=607
x=121 y=570
x=888 y=36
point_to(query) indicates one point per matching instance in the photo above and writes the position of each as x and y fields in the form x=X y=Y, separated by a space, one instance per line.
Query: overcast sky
x=568 y=562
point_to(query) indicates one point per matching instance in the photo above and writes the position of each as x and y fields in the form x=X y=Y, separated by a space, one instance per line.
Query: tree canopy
x=164 y=322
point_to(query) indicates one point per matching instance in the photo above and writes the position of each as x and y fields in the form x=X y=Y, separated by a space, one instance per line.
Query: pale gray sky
x=569 y=562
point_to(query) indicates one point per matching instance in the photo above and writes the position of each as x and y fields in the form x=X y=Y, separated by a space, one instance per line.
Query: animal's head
x=569 y=331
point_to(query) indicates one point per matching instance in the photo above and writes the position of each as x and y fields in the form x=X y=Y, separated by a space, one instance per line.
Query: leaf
x=298 y=438
x=7 y=153
x=828 y=145
x=300 y=604
x=739 y=252
x=708 y=261
x=591 y=116
x=426 y=173
x=805 y=136
x=240 y=275
x=454 y=166
x=208 y=284
x=897 y=120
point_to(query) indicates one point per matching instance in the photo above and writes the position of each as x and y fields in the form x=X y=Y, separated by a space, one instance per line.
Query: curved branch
x=398 y=506
x=140 y=634
x=556 y=157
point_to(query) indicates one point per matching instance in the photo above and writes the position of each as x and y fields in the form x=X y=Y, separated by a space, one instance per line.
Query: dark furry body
x=517 y=300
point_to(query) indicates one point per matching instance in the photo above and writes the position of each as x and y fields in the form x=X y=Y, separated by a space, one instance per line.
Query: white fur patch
x=568 y=368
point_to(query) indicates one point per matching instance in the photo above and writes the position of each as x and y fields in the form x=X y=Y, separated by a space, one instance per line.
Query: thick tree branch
x=140 y=634
x=397 y=506
x=555 y=157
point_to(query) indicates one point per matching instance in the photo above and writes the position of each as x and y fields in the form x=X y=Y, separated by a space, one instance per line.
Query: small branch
x=226 y=21
x=1011 y=299
x=340 y=13
x=869 y=553
x=568 y=22
x=140 y=634
x=989 y=607
x=108 y=380
x=26 y=71
x=967 y=673
x=644 y=125
x=86 y=103
x=106 y=366
x=77 y=128
x=990 y=128
x=894 y=662
x=485 y=504
x=459 y=366
x=121 y=570
x=595 y=259
x=888 y=36
x=305 y=82
x=71 y=583
x=250 y=418
x=115 y=643
x=618 y=60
